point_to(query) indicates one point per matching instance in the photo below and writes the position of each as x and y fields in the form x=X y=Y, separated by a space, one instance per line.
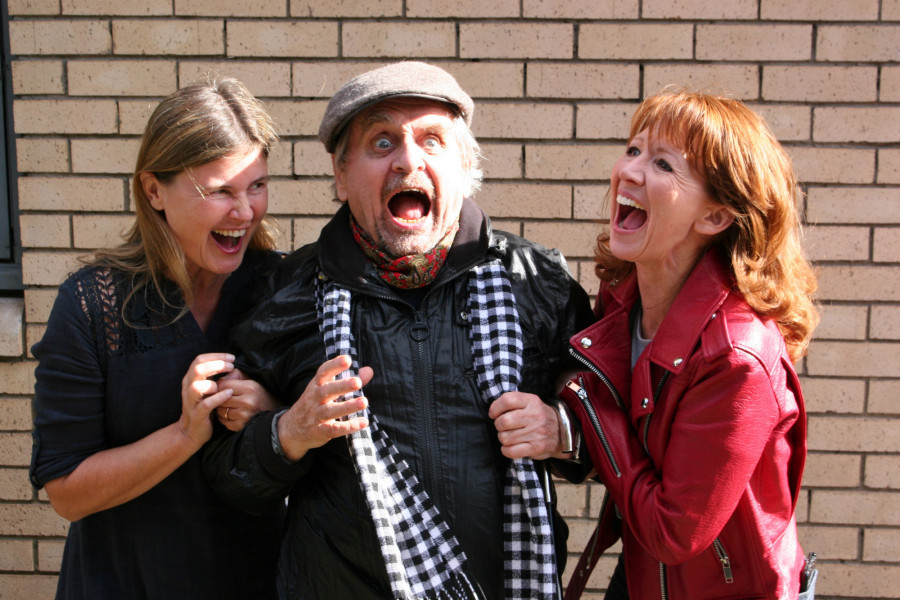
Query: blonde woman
x=125 y=393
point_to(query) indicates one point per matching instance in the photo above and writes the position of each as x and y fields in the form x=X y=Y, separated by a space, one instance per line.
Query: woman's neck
x=658 y=288
x=206 y=291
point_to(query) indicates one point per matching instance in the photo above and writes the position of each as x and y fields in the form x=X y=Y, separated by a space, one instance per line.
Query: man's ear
x=716 y=220
x=151 y=187
x=339 y=186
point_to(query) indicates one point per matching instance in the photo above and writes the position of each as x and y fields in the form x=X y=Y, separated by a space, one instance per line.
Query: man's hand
x=526 y=427
x=315 y=418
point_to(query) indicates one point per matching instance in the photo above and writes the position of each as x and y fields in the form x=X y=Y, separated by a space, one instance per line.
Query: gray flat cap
x=407 y=78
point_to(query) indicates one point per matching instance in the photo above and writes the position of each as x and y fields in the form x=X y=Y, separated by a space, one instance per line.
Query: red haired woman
x=689 y=403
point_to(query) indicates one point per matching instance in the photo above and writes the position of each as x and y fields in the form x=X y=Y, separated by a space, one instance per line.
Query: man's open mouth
x=631 y=215
x=410 y=205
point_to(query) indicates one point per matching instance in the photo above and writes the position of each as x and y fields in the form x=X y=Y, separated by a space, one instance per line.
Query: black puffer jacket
x=424 y=394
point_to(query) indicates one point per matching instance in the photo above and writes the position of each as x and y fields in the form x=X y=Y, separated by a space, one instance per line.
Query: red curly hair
x=748 y=172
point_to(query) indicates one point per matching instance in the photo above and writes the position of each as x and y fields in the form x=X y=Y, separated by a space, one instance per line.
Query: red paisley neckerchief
x=410 y=271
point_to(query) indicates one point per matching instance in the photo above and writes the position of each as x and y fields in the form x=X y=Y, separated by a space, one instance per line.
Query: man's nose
x=409 y=156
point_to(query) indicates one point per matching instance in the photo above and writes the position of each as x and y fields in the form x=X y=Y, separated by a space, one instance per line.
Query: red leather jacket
x=701 y=448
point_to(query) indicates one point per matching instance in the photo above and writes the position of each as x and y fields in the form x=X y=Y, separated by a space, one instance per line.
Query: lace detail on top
x=97 y=296
x=100 y=292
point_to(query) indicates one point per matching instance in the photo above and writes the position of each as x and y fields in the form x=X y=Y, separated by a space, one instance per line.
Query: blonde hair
x=196 y=125
x=748 y=172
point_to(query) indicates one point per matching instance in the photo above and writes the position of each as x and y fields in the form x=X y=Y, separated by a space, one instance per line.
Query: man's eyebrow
x=376 y=118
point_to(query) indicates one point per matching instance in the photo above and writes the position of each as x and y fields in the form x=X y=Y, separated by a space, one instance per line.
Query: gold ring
x=227 y=408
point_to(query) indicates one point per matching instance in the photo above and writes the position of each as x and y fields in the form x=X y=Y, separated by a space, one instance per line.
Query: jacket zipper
x=723 y=558
x=659 y=387
x=663 y=592
x=595 y=422
x=426 y=395
x=612 y=389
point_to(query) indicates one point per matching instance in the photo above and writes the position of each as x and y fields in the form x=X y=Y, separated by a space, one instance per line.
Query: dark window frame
x=10 y=241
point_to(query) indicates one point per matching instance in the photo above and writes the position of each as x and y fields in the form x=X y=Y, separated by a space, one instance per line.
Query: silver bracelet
x=568 y=438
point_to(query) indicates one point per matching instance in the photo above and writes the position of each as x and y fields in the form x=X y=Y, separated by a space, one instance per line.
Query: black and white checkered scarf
x=422 y=556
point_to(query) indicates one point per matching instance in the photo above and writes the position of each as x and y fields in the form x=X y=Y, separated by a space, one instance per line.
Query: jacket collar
x=703 y=293
x=341 y=259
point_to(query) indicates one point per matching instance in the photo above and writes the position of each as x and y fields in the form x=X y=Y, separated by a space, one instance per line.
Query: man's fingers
x=336 y=429
x=338 y=410
x=366 y=374
x=331 y=368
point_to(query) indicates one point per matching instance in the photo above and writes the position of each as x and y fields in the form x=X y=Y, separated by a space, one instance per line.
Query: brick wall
x=555 y=82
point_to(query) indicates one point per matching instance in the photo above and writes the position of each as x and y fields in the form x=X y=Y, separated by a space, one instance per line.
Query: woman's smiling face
x=661 y=209
x=214 y=209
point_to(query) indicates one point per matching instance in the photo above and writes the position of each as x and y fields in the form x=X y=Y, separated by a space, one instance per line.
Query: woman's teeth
x=235 y=233
x=628 y=202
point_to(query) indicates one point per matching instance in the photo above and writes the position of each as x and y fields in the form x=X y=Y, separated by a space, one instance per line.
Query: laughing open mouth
x=410 y=205
x=229 y=238
x=631 y=215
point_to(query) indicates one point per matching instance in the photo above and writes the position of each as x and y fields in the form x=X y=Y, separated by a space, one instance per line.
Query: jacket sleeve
x=278 y=345
x=724 y=421
x=244 y=469
x=552 y=308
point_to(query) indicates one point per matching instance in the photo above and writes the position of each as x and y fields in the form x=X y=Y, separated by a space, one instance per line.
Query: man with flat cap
x=419 y=351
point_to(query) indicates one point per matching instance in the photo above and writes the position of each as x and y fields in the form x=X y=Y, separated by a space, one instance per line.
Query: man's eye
x=431 y=143
x=382 y=143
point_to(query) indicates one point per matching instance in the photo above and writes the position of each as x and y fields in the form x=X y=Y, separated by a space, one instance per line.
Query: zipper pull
x=723 y=558
x=726 y=568
x=579 y=391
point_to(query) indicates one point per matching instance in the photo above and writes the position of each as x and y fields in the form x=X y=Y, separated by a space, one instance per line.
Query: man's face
x=403 y=174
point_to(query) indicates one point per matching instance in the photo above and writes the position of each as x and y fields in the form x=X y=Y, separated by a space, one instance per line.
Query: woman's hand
x=200 y=395
x=248 y=398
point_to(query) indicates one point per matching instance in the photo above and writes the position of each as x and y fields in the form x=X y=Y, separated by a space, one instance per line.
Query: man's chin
x=406 y=244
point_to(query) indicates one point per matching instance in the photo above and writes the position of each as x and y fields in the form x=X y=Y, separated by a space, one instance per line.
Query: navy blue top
x=100 y=384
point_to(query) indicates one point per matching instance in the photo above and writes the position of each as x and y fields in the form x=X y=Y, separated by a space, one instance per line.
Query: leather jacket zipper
x=595 y=422
x=663 y=592
x=612 y=389
x=723 y=558
x=659 y=387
